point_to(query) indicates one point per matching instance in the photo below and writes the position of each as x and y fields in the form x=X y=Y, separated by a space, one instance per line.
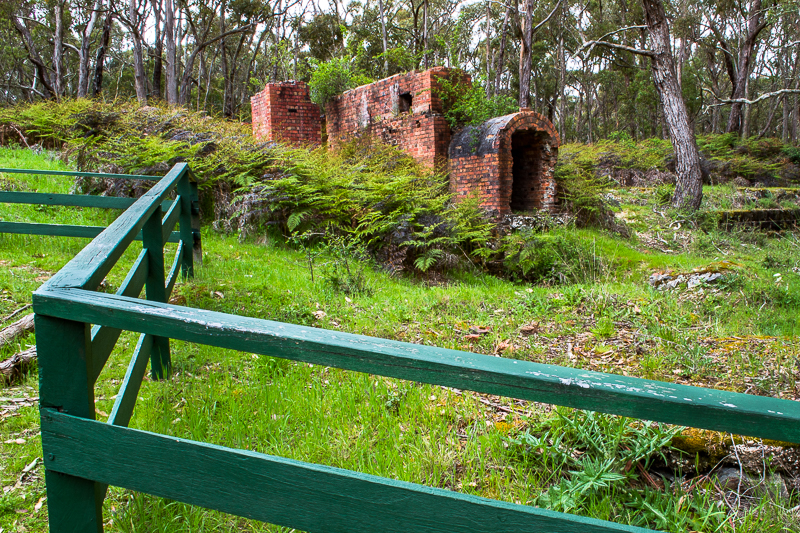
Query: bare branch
x=609 y=34
x=547 y=18
x=639 y=51
x=726 y=101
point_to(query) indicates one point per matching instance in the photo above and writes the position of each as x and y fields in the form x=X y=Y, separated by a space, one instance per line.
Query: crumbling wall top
x=486 y=137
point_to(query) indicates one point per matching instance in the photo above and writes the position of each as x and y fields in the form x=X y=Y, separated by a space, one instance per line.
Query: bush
x=467 y=105
x=378 y=196
x=558 y=256
x=331 y=78
x=792 y=153
x=582 y=194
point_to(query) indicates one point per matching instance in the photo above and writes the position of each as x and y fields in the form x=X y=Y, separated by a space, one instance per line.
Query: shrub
x=467 y=104
x=558 y=256
x=377 y=195
x=582 y=194
x=792 y=153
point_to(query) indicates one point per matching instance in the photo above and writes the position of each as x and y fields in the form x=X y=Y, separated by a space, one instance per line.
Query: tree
x=689 y=184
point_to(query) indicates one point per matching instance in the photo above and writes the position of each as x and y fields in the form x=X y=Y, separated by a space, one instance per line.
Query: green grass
x=740 y=335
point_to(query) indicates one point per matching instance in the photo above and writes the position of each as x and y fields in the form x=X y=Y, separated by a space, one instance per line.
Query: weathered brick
x=284 y=112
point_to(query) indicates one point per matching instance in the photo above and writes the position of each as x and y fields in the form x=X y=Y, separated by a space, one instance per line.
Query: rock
x=611 y=200
x=730 y=478
x=741 y=182
x=207 y=149
x=659 y=278
x=775 y=486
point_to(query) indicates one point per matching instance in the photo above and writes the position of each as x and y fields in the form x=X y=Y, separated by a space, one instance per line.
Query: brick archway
x=508 y=161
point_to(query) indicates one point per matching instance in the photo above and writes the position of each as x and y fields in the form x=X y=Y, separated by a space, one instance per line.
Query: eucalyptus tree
x=689 y=184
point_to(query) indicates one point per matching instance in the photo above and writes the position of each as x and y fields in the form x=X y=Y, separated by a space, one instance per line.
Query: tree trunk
x=171 y=91
x=99 y=62
x=158 y=65
x=562 y=72
x=689 y=185
x=58 y=49
x=139 y=75
x=17 y=329
x=425 y=33
x=488 y=52
x=16 y=365
x=385 y=43
x=500 y=57
x=223 y=50
x=525 y=57
x=754 y=27
x=83 y=55
x=33 y=54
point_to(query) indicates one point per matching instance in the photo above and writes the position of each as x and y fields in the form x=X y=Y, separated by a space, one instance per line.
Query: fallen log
x=17 y=329
x=17 y=364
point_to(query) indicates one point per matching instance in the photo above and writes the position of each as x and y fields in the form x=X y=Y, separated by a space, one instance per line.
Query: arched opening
x=526 y=169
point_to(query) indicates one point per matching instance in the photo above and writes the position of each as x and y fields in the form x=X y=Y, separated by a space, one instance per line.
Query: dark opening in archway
x=526 y=155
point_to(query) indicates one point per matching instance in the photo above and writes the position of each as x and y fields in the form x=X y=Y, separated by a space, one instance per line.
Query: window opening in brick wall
x=292 y=110
x=526 y=155
x=404 y=103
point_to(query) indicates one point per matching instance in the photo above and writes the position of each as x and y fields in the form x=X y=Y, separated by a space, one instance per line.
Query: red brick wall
x=484 y=161
x=379 y=109
x=284 y=112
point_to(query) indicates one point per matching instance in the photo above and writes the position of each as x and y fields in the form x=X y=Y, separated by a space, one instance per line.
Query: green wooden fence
x=84 y=200
x=77 y=326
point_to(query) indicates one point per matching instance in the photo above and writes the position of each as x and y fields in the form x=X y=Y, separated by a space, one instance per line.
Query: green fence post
x=65 y=365
x=189 y=225
x=197 y=245
x=153 y=242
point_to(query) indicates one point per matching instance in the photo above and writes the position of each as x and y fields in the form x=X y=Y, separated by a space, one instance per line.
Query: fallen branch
x=15 y=313
x=17 y=329
x=21 y=136
x=17 y=364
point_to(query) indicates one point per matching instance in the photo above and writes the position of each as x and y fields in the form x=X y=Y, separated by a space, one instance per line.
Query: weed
x=348 y=265
x=604 y=328
x=663 y=194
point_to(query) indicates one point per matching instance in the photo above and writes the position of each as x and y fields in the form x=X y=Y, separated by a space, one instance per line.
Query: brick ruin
x=507 y=161
x=284 y=112
x=403 y=110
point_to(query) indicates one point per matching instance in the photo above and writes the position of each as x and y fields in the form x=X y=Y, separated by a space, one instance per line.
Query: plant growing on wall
x=467 y=105
x=332 y=78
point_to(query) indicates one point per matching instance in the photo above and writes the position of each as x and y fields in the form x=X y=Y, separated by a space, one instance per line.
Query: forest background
x=585 y=65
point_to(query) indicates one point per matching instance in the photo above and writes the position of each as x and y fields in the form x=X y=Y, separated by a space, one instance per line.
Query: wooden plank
x=171 y=218
x=65 y=230
x=129 y=390
x=293 y=494
x=52 y=230
x=173 y=273
x=74 y=504
x=79 y=174
x=137 y=275
x=92 y=264
x=104 y=338
x=73 y=200
x=718 y=410
x=155 y=289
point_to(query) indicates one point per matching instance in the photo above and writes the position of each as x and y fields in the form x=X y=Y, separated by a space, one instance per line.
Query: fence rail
x=77 y=328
